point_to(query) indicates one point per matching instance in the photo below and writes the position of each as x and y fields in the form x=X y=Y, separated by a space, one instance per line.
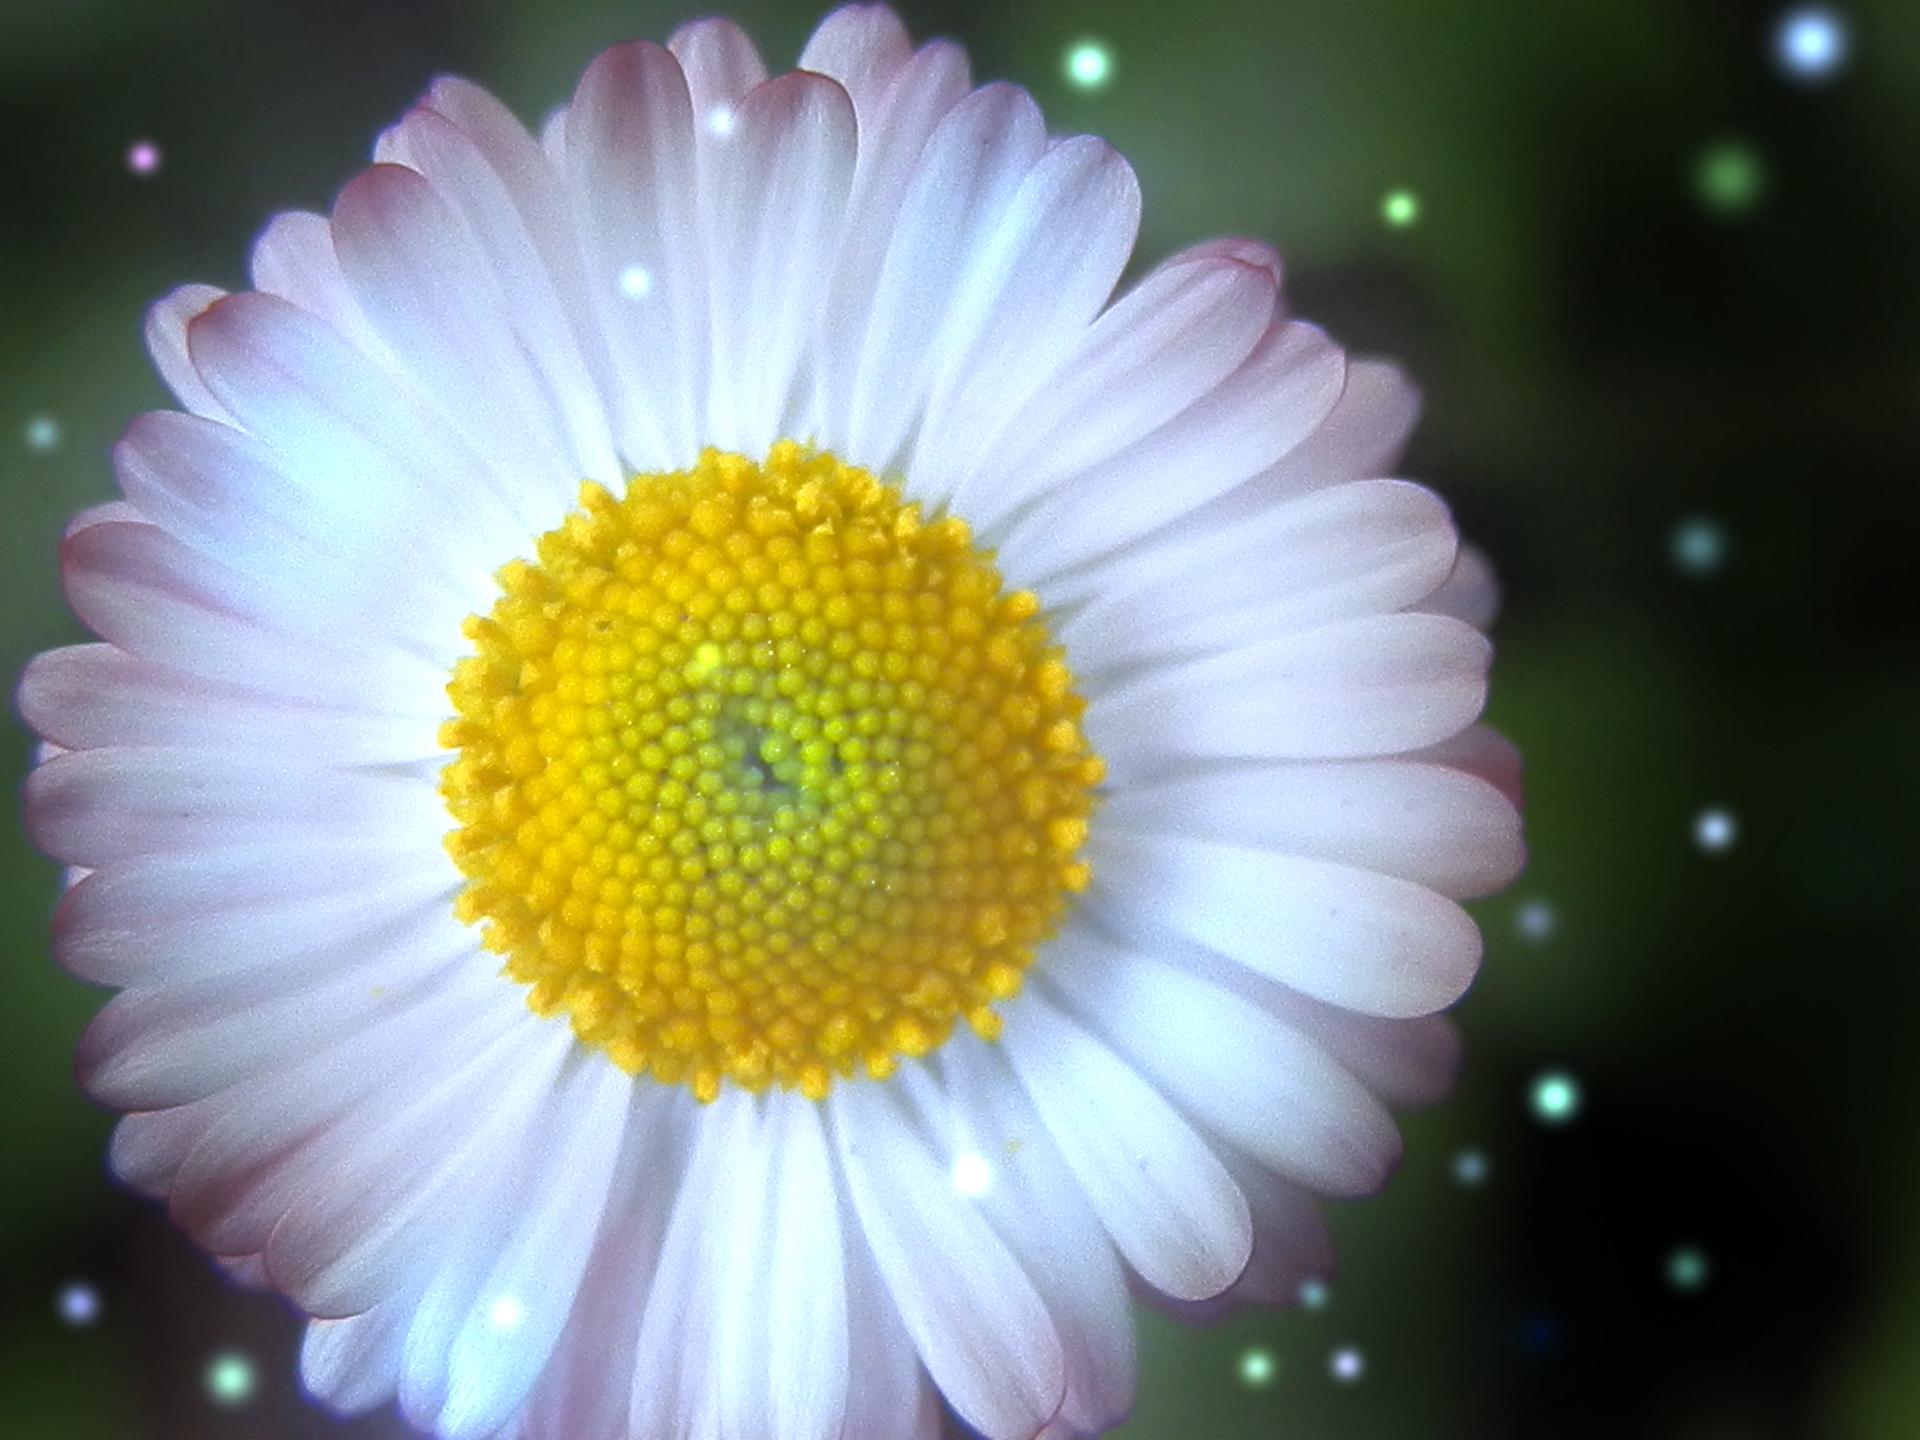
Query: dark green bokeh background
x=1604 y=353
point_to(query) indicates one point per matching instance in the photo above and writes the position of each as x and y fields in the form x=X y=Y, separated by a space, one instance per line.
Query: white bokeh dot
x=1471 y=1167
x=1811 y=43
x=1554 y=1097
x=1347 y=1364
x=721 y=120
x=971 y=1174
x=1088 y=64
x=1258 y=1367
x=1698 y=546
x=506 y=1314
x=1314 y=1294
x=41 y=434
x=143 y=158
x=636 y=282
x=231 y=1378
x=78 y=1303
x=1534 y=920
x=1715 y=830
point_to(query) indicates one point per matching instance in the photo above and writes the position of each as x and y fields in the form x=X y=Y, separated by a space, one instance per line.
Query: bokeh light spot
x=1471 y=1167
x=1715 y=830
x=1347 y=1364
x=143 y=158
x=1314 y=1294
x=230 y=1378
x=78 y=1303
x=1400 y=208
x=1258 y=1368
x=1811 y=43
x=506 y=1313
x=1729 y=178
x=721 y=120
x=1534 y=920
x=971 y=1174
x=1687 y=1268
x=1088 y=64
x=1698 y=546
x=636 y=282
x=42 y=433
x=1554 y=1098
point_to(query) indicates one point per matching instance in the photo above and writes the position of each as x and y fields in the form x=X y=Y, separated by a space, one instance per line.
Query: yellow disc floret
x=762 y=777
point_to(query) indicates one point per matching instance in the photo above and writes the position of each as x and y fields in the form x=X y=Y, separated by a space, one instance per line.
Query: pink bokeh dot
x=143 y=157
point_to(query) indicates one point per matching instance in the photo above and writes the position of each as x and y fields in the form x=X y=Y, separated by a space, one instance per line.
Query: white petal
x=429 y=290
x=635 y=200
x=1353 y=938
x=1170 y=340
x=294 y=259
x=355 y=552
x=779 y=196
x=180 y=1041
x=961 y=192
x=167 y=343
x=888 y=1394
x=1038 y=1208
x=895 y=127
x=353 y=1364
x=1160 y=1191
x=1377 y=685
x=365 y=1204
x=1441 y=828
x=1485 y=753
x=483 y=163
x=89 y=696
x=262 y=1146
x=745 y=1332
x=97 y=806
x=342 y=421
x=1253 y=1081
x=586 y=1390
x=721 y=67
x=547 y=1224
x=981 y=1330
x=1261 y=411
x=864 y=47
x=1025 y=297
x=1361 y=437
x=1371 y=547
x=1471 y=592
x=288 y=905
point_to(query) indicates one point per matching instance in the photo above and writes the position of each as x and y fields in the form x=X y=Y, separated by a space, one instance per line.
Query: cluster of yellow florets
x=760 y=778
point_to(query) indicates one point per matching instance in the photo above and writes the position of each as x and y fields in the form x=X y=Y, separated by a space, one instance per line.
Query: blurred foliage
x=1604 y=352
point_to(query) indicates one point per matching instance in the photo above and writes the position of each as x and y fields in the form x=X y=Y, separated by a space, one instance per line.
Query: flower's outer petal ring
x=779 y=194
x=285 y=905
x=94 y=807
x=864 y=47
x=634 y=190
x=1172 y=1210
x=1471 y=592
x=138 y=588
x=1264 y=409
x=1022 y=301
x=746 y=1325
x=981 y=1330
x=89 y=697
x=721 y=66
x=961 y=191
x=1352 y=938
x=1173 y=338
x=1242 y=1074
x=889 y=1396
x=1039 y=1210
x=586 y=1391
x=166 y=330
x=1376 y=685
x=485 y=166
x=1367 y=548
x=1484 y=752
x=1438 y=827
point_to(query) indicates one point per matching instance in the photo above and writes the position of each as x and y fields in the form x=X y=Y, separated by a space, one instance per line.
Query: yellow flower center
x=761 y=777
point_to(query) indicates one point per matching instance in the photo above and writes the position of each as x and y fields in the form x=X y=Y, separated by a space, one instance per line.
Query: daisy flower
x=726 y=799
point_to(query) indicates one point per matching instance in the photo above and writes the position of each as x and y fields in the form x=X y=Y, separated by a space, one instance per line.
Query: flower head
x=724 y=797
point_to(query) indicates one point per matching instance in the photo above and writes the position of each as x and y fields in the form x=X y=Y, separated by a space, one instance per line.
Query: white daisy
x=723 y=798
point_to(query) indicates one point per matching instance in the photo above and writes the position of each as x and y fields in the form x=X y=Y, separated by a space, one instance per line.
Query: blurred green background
x=1661 y=295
